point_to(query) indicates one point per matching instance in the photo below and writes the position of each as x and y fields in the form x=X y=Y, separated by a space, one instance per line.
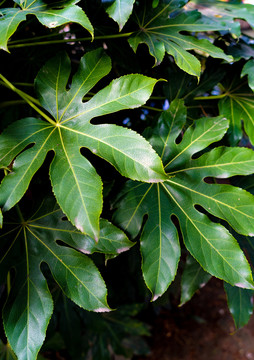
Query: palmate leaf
x=51 y=15
x=34 y=241
x=120 y=11
x=76 y=185
x=163 y=34
x=209 y=243
x=193 y=278
x=240 y=303
x=237 y=105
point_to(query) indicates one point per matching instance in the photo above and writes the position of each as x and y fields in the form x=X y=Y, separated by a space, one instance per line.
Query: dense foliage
x=126 y=157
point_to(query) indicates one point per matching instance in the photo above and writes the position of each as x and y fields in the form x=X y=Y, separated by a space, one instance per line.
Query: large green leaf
x=76 y=185
x=237 y=105
x=163 y=33
x=193 y=278
x=34 y=241
x=51 y=14
x=182 y=194
x=240 y=303
x=120 y=11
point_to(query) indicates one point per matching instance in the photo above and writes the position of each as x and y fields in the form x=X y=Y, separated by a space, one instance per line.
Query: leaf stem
x=102 y=37
x=29 y=99
x=7 y=84
x=11 y=103
x=19 y=212
x=212 y=97
x=8 y=283
x=151 y=108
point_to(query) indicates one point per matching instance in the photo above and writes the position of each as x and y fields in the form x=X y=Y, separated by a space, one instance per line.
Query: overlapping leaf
x=226 y=13
x=51 y=14
x=193 y=278
x=76 y=185
x=33 y=242
x=209 y=243
x=248 y=70
x=120 y=11
x=240 y=303
x=237 y=105
x=162 y=33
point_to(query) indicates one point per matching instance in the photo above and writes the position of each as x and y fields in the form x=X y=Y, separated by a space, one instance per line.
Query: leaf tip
x=155 y=297
x=102 y=309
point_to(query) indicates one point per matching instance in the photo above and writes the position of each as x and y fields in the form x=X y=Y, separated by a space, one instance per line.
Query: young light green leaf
x=51 y=15
x=120 y=11
x=70 y=129
x=193 y=278
x=240 y=303
x=209 y=243
x=163 y=34
x=33 y=242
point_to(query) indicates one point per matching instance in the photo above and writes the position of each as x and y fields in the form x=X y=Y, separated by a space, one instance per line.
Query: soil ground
x=202 y=329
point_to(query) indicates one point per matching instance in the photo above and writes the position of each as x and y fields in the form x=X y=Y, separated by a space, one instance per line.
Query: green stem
x=151 y=108
x=21 y=93
x=23 y=84
x=157 y=98
x=11 y=103
x=8 y=283
x=29 y=99
x=19 y=213
x=104 y=37
x=35 y=38
x=212 y=97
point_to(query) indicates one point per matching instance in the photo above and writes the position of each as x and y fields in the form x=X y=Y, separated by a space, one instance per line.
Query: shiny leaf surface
x=120 y=11
x=162 y=33
x=51 y=15
x=69 y=130
x=35 y=241
x=182 y=194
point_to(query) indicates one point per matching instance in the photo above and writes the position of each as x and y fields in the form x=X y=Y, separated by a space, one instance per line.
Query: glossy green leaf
x=237 y=106
x=182 y=194
x=51 y=15
x=163 y=33
x=240 y=303
x=226 y=13
x=248 y=70
x=34 y=241
x=69 y=130
x=193 y=278
x=120 y=11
